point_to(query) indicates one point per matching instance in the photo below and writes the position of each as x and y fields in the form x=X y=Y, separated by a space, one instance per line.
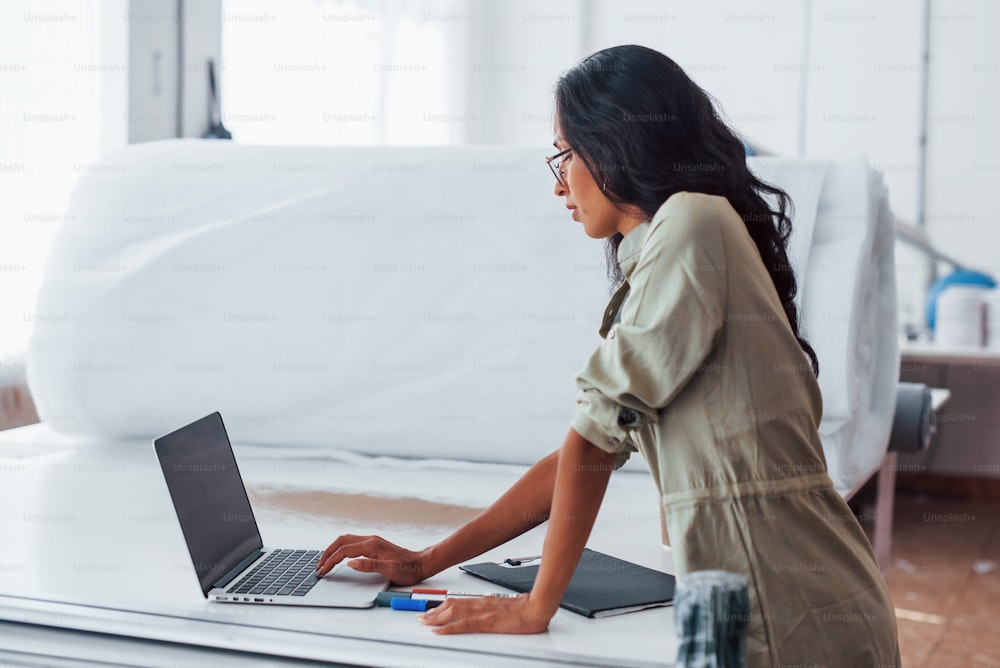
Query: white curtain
x=63 y=76
x=344 y=71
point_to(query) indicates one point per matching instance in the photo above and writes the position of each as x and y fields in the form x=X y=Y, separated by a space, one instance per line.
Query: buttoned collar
x=631 y=244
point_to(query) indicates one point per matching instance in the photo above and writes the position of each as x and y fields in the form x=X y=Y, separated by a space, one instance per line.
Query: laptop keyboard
x=283 y=572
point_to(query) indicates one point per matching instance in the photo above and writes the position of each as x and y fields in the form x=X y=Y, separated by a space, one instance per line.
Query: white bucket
x=960 y=320
x=992 y=301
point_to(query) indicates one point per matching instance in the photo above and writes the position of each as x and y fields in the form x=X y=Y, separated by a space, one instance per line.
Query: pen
x=404 y=600
x=517 y=561
x=445 y=592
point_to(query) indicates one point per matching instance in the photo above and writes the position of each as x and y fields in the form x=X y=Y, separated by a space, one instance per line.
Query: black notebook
x=602 y=585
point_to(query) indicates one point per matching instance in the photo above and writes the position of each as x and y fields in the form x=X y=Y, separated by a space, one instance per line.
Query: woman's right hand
x=374 y=554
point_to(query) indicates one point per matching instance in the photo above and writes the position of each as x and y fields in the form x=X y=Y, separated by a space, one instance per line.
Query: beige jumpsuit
x=704 y=377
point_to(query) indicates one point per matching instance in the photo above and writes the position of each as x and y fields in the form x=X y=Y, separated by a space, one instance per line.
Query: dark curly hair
x=647 y=131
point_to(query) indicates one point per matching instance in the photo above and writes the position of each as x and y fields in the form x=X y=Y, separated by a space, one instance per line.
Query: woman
x=701 y=369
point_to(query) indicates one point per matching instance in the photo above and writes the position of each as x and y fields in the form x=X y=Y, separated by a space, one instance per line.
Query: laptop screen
x=209 y=497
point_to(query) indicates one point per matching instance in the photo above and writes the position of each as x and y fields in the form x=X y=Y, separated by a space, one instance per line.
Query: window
x=343 y=71
x=63 y=75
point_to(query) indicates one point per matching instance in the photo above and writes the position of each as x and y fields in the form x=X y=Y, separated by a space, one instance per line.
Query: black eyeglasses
x=555 y=163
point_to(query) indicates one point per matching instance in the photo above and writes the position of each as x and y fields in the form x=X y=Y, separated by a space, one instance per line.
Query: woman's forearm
x=578 y=485
x=523 y=507
x=581 y=481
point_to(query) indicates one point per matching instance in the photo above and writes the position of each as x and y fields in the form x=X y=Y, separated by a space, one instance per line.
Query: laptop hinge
x=238 y=568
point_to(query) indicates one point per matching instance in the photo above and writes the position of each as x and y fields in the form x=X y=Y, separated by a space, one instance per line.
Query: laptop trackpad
x=346 y=587
x=345 y=575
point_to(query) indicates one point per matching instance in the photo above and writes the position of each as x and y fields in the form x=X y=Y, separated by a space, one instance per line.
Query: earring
x=605 y=185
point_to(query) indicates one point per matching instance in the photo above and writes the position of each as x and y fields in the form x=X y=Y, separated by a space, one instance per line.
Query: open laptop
x=229 y=557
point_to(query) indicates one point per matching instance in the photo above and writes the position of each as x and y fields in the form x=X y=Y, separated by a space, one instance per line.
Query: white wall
x=519 y=50
x=745 y=54
x=863 y=92
x=863 y=95
x=963 y=152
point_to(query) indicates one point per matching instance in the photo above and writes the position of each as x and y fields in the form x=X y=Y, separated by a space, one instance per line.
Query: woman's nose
x=559 y=190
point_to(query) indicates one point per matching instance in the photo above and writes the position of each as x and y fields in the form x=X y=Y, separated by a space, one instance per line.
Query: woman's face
x=585 y=197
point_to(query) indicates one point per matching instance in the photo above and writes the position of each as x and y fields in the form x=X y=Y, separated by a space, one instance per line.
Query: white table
x=929 y=353
x=968 y=428
x=93 y=567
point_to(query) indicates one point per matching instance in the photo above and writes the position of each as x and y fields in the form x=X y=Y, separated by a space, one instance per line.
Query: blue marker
x=417 y=604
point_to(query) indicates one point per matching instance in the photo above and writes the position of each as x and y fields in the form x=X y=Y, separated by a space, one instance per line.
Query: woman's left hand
x=489 y=614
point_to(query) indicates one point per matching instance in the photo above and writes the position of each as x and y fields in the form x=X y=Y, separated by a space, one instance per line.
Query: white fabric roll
x=402 y=301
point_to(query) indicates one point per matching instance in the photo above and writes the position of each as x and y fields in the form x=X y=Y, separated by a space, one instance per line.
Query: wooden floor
x=944 y=577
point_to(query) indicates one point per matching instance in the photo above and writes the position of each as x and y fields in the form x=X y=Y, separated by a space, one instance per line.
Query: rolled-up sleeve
x=670 y=321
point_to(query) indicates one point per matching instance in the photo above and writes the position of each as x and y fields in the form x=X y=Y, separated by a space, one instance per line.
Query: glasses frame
x=555 y=169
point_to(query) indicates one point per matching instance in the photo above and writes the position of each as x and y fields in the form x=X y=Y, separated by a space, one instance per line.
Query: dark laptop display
x=209 y=497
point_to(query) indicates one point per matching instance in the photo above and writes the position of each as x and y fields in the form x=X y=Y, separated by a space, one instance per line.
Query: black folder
x=602 y=585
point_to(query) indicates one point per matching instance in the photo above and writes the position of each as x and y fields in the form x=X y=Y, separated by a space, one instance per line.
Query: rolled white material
x=402 y=301
x=849 y=317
